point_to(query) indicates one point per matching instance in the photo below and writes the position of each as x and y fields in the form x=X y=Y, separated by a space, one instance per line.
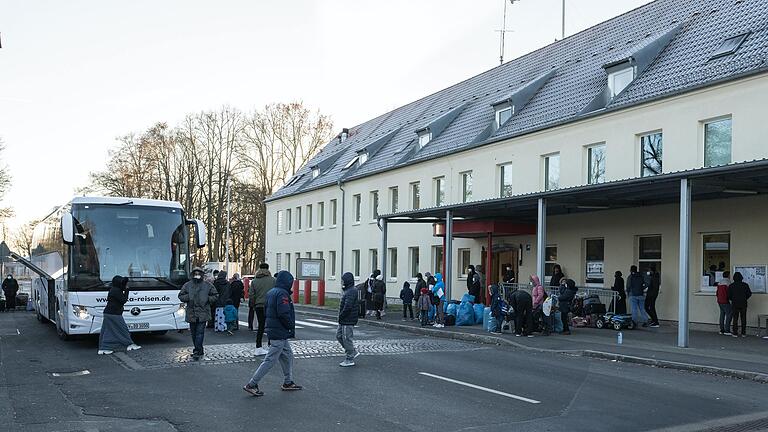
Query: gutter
x=343 y=215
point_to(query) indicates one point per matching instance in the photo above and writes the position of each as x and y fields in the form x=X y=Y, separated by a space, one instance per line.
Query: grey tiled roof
x=683 y=65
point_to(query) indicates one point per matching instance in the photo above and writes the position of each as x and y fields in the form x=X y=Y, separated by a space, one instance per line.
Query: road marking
x=466 y=384
x=323 y=321
x=311 y=324
x=243 y=323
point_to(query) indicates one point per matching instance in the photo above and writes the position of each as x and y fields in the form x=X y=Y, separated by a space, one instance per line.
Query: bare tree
x=5 y=183
x=21 y=240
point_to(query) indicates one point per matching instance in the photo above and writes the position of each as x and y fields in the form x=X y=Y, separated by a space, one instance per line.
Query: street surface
x=401 y=382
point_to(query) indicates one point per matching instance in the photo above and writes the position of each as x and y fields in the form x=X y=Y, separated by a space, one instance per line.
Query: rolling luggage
x=450 y=320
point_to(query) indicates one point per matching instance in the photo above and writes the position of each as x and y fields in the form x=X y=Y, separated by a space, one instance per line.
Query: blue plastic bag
x=487 y=319
x=467 y=298
x=452 y=308
x=465 y=315
x=479 y=308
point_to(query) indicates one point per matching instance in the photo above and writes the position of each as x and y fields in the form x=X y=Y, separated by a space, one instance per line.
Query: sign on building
x=310 y=269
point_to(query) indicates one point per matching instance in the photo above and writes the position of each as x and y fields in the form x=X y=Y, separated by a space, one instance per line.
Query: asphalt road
x=401 y=382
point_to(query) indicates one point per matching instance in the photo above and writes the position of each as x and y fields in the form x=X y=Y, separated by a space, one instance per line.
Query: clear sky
x=76 y=74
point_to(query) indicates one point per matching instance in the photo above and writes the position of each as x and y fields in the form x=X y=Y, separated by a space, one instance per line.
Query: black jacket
x=406 y=294
x=555 y=280
x=653 y=284
x=223 y=288
x=618 y=286
x=738 y=294
x=521 y=301
x=379 y=292
x=116 y=300
x=565 y=295
x=635 y=284
x=348 y=306
x=236 y=289
x=420 y=283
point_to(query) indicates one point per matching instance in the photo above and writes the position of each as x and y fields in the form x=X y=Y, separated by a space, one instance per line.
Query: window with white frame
x=716 y=258
x=298 y=218
x=651 y=154
x=437 y=259
x=392 y=257
x=465 y=256
x=619 y=80
x=315 y=172
x=356 y=202
x=466 y=186
x=424 y=137
x=415 y=195
x=279 y=221
x=334 y=207
x=503 y=114
x=550 y=259
x=439 y=183
x=374 y=205
x=594 y=255
x=373 y=259
x=717 y=142
x=649 y=253
x=320 y=214
x=332 y=262
x=278 y=261
x=505 y=180
x=393 y=198
x=552 y=172
x=309 y=216
x=288 y=220
x=596 y=164
x=356 y=262
x=413 y=261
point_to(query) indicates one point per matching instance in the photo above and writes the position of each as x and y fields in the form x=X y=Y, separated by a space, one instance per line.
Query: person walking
x=565 y=296
x=424 y=304
x=199 y=295
x=738 y=294
x=114 y=332
x=724 y=304
x=557 y=276
x=379 y=294
x=348 y=311
x=522 y=303
x=369 y=306
x=236 y=291
x=257 y=295
x=652 y=284
x=281 y=326
x=225 y=293
x=621 y=300
x=438 y=294
x=406 y=295
x=10 y=289
x=636 y=290
x=420 y=285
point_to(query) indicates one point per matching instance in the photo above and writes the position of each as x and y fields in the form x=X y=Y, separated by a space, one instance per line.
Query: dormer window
x=362 y=158
x=315 y=172
x=352 y=162
x=424 y=137
x=620 y=79
x=504 y=113
x=294 y=180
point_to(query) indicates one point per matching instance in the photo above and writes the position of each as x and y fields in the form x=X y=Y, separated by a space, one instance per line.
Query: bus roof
x=125 y=201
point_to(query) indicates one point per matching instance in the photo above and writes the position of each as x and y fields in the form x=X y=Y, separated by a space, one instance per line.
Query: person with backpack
x=406 y=295
x=348 y=315
x=724 y=304
x=438 y=296
x=424 y=304
x=636 y=290
x=738 y=294
x=565 y=297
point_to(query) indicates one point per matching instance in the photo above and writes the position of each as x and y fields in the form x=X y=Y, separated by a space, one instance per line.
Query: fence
x=607 y=297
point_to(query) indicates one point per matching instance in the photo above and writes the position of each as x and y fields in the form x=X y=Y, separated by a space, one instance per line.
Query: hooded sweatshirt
x=439 y=287
x=348 y=306
x=538 y=293
x=281 y=318
x=257 y=290
x=222 y=287
x=425 y=300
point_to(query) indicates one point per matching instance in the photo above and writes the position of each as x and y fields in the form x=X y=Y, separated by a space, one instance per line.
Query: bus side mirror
x=67 y=228
x=200 y=237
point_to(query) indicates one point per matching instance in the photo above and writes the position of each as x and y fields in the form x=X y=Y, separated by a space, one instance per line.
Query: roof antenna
x=503 y=31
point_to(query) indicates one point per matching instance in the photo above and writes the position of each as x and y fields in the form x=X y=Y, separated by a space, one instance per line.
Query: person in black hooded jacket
x=621 y=300
x=738 y=294
x=225 y=293
x=565 y=296
x=348 y=311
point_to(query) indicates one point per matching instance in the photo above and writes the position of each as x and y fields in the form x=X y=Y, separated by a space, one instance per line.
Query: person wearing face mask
x=509 y=276
x=10 y=289
x=199 y=295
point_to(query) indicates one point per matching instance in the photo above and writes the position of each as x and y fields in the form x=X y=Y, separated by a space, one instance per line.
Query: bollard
x=321 y=292
x=295 y=290
x=307 y=292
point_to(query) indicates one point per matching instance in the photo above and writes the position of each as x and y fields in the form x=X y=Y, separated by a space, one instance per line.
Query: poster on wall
x=754 y=276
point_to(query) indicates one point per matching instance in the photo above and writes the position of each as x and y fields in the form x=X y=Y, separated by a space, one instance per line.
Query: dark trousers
x=250 y=317
x=407 y=307
x=725 y=317
x=740 y=312
x=650 y=308
x=197 y=330
x=213 y=316
x=261 y=316
x=524 y=320
x=564 y=310
x=424 y=317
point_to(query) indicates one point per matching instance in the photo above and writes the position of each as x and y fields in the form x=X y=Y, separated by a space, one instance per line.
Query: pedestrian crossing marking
x=311 y=324
x=322 y=321
x=243 y=323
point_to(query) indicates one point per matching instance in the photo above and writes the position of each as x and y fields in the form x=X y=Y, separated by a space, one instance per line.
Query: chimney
x=344 y=135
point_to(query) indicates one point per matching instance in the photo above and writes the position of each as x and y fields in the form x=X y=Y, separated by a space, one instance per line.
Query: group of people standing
x=732 y=297
x=642 y=290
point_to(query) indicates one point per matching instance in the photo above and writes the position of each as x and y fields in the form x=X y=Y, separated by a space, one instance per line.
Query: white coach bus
x=80 y=247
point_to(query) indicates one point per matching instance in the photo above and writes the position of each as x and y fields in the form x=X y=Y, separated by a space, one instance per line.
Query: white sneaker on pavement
x=105 y=352
x=133 y=347
x=261 y=351
x=347 y=363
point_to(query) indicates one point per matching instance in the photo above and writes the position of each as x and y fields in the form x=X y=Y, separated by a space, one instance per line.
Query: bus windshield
x=144 y=243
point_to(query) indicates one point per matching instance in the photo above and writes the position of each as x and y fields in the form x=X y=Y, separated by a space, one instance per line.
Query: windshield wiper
x=163 y=280
x=98 y=285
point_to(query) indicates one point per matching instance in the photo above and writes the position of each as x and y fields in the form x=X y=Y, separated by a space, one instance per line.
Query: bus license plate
x=138 y=326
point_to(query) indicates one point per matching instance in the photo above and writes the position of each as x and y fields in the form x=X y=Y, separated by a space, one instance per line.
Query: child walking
x=230 y=316
x=406 y=295
x=425 y=304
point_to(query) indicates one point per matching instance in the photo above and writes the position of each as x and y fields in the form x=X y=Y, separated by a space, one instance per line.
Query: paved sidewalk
x=708 y=352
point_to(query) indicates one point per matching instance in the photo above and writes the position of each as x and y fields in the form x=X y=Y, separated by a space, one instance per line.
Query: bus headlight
x=81 y=312
x=182 y=311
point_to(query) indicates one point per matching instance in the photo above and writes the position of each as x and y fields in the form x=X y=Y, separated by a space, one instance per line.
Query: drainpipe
x=343 y=213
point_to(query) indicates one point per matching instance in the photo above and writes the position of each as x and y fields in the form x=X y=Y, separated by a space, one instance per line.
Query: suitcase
x=450 y=320
x=594 y=308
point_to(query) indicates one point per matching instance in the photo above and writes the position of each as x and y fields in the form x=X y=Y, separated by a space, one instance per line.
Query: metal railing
x=607 y=297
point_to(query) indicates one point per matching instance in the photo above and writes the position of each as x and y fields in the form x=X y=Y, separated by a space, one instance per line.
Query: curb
x=494 y=340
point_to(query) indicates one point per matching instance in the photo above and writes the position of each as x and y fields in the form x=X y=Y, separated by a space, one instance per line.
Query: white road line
x=466 y=384
x=311 y=324
x=243 y=323
x=323 y=321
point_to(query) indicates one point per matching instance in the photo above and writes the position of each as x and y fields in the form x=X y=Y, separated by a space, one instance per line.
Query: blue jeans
x=725 y=317
x=638 y=309
x=279 y=349
x=197 y=330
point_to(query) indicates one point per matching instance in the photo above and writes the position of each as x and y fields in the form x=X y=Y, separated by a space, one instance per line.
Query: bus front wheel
x=59 y=331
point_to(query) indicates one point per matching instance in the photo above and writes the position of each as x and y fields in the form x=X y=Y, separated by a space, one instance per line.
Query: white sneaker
x=347 y=363
x=133 y=347
x=261 y=351
x=105 y=352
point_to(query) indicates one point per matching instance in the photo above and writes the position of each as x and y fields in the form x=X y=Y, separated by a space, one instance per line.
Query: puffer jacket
x=281 y=318
x=566 y=294
x=538 y=293
x=379 y=293
x=222 y=287
x=257 y=291
x=348 y=306
x=199 y=295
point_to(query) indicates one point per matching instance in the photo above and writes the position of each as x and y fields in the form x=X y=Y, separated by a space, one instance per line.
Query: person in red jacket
x=724 y=303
